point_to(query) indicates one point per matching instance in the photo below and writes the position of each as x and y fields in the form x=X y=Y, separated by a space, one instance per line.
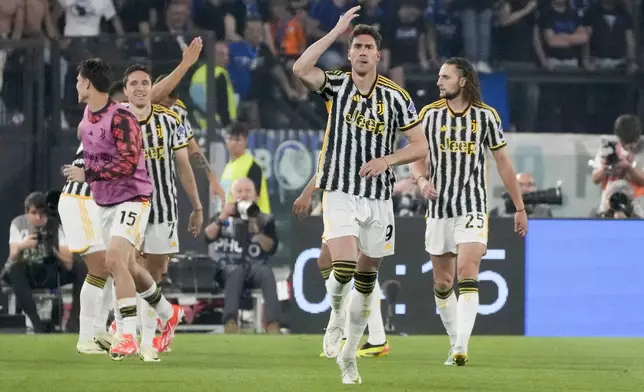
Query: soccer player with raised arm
x=165 y=142
x=366 y=110
x=461 y=129
x=115 y=169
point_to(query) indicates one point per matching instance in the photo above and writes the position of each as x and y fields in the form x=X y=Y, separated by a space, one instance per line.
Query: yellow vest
x=239 y=169
x=200 y=77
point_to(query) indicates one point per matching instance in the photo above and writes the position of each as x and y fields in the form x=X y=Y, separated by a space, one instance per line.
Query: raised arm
x=190 y=56
x=129 y=144
x=304 y=68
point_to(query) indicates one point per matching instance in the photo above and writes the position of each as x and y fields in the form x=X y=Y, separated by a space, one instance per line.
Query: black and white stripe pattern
x=361 y=127
x=78 y=188
x=162 y=134
x=458 y=144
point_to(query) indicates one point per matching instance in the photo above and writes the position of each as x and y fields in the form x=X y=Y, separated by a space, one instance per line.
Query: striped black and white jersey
x=458 y=144
x=361 y=127
x=180 y=108
x=78 y=188
x=163 y=133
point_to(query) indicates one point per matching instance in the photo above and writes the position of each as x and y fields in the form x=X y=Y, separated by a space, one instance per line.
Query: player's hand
x=218 y=191
x=521 y=223
x=345 y=20
x=30 y=242
x=427 y=188
x=301 y=206
x=374 y=167
x=196 y=222
x=191 y=52
x=73 y=173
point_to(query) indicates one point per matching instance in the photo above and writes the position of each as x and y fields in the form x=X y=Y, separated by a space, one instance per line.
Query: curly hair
x=472 y=89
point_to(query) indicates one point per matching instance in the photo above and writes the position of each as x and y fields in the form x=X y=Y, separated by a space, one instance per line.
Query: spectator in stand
x=443 y=28
x=211 y=17
x=39 y=21
x=167 y=50
x=135 y=17
x=558 y=46
x=225 y=100
x=612 y=38
x=405 y=41
x=239 y=12
x=326 y=13
x=289 y=35
x=12 y=17
x=371 y=14
x=476 y=19
x=611 y=46
x=516 y=19
x=563 y=36
x=82 y=30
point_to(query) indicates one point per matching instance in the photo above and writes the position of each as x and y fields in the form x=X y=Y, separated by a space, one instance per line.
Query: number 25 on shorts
x=474 y=220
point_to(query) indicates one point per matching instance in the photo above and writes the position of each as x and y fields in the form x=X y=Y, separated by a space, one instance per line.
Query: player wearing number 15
x=115 y=169
x=355 y=171
x=461 y=129
x=165 y=142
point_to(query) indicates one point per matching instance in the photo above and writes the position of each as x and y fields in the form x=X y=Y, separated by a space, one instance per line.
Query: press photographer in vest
x=242 y=164
x=40 y=259
x=244 y=239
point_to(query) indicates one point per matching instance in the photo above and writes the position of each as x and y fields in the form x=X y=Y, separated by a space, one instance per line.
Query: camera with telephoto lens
x=621 y=202
x=609 y=148
x=247 y=209
x=550 y=196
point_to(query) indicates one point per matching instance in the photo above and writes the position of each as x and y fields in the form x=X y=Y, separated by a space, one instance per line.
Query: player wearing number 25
x=460 y=130
x=115 y=169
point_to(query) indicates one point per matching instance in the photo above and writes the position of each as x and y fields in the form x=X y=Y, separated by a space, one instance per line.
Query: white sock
x=467 y=308
x=160 y=304
x=358 y=315
x=117 y=312
x=91 y=296
x=376 y=326
x=338 y=293
x=129 y=318
x=100 y=317
x=448 y=310
x=148 y=323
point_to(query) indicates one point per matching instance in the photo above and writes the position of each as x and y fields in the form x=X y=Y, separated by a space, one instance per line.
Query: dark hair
x=135 y=68
x=239 y=129
x=117 y=87
x=97 y=72
x=628 y=128
x=36 y=200
x=472 y=89
x=363 y=29
x=173 y=93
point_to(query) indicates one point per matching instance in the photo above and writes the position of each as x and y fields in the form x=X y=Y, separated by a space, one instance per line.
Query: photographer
x=40 y=259
x=528 y=186
x=617 y=202
x=621 y=159
x=245 y=239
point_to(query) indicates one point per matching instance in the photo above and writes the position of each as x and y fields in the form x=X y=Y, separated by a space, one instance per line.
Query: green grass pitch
x=291 y=363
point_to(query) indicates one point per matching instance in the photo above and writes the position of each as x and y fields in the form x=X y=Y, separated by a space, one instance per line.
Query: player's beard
x=453 y=95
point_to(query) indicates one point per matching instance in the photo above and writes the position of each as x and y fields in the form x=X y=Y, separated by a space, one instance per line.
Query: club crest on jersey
x=370 y=125
x=411 y=108
x=380 y=108
x=458 y=128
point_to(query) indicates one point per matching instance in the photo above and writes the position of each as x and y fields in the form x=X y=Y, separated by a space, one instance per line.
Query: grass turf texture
x=291 y=363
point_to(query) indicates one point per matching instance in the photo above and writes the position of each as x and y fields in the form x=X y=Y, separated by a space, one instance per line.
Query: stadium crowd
x=259 y=40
